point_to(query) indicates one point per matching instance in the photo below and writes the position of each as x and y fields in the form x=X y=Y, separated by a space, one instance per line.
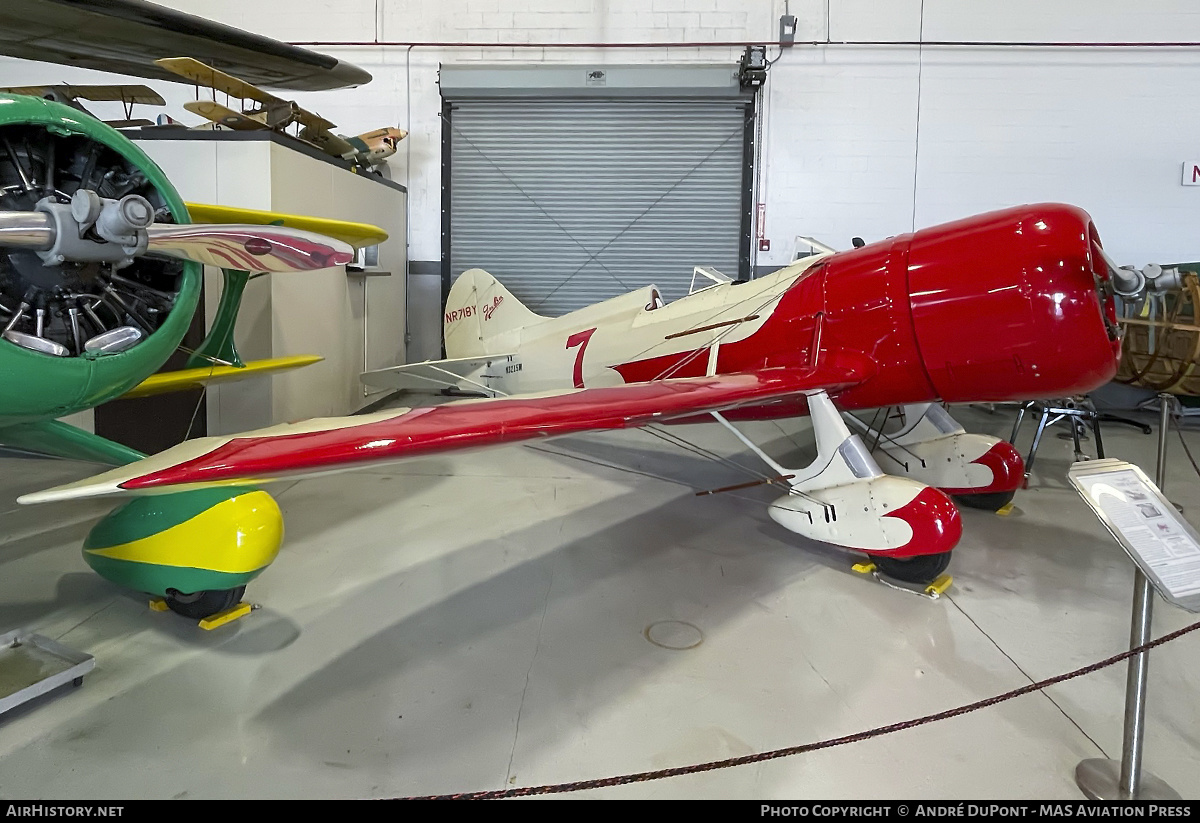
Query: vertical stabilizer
x=480 y=313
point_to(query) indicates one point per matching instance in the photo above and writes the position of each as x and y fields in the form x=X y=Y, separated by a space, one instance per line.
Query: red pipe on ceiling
x=738 y=43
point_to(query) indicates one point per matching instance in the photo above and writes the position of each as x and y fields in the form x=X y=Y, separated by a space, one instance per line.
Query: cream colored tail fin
x=482 y=317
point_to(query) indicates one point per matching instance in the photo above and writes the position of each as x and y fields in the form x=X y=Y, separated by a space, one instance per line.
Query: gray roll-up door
x=569 y=202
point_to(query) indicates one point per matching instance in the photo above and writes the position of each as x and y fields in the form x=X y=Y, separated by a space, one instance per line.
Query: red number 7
x=579 y=339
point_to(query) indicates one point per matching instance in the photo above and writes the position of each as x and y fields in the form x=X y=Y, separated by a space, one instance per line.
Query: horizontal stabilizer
x=432 y=374
x=198 y=378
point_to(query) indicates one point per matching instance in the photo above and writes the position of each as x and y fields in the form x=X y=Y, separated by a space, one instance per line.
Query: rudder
x=479 y=311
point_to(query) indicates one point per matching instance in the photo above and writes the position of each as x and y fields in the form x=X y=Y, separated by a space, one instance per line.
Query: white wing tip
x=68 y=492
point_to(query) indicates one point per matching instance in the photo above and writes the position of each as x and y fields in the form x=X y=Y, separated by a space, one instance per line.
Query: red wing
x=340 y=443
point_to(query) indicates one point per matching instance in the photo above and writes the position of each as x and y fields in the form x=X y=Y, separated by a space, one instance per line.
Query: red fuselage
x=1003 y=306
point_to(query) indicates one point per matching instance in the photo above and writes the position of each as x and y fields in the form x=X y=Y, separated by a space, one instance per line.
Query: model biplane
x=260 y=110
x=127 y=95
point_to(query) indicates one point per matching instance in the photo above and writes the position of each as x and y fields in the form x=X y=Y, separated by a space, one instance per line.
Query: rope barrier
x=879 y=731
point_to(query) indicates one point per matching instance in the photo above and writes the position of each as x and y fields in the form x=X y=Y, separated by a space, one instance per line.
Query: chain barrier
x=879 y=731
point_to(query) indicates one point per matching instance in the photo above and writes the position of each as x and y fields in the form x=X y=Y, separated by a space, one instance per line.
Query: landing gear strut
x=981 y=471
x=202 y=604
x=844 y=499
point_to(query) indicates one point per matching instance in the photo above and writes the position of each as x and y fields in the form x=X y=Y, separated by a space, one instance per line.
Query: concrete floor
x=481 y=621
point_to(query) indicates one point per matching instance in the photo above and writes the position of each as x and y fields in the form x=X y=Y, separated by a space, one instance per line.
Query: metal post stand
x=1103 y=779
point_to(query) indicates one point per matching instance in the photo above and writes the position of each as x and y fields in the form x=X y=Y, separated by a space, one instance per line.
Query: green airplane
x=100 y=275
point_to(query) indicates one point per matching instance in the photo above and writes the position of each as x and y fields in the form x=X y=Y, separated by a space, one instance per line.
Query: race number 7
x=579 y=339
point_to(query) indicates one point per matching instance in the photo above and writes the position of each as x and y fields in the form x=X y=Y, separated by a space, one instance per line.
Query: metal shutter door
x=572 y=202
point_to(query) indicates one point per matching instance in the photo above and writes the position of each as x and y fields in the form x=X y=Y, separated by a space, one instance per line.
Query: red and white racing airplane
x=1010 y=305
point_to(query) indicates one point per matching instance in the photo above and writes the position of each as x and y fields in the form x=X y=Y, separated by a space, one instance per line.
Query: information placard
x=1146 y=524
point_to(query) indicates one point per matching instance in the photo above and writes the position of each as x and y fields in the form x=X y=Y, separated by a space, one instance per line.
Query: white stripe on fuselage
x=626 y=331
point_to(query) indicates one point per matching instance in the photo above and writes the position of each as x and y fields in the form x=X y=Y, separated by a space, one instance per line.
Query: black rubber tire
x=204 y=604
x=924 y=568
x=990 y=502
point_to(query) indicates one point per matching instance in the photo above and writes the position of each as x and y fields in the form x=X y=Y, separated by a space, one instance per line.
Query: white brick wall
x=846 y=152
x=1062 y=20
x=839 y=146
x=872 y=20
x=1106 y=130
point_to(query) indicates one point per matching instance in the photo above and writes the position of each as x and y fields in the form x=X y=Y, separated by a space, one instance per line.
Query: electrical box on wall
x=787 y=30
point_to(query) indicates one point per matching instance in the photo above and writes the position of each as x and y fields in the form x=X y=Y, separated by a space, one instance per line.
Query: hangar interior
x=577 y=608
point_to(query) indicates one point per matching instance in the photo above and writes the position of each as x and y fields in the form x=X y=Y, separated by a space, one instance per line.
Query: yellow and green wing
x=356 y=234
x=197 y=378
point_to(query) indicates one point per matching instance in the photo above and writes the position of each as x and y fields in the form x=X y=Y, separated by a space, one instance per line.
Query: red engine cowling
x=1010 y=305
x=1005 y=306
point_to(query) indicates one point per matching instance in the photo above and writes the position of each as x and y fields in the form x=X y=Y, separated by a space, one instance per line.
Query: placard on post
x=1163 y=545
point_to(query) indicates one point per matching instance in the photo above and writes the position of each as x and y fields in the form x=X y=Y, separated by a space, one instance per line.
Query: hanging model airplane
x=100 y=274
x=1010 y=305
x=265 y=111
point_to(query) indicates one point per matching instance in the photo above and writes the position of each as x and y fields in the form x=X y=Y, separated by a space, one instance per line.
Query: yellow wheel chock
x=933 y=591
x=211 y=622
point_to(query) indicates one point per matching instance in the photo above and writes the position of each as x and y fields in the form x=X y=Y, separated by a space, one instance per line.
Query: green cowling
x=38 y=387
